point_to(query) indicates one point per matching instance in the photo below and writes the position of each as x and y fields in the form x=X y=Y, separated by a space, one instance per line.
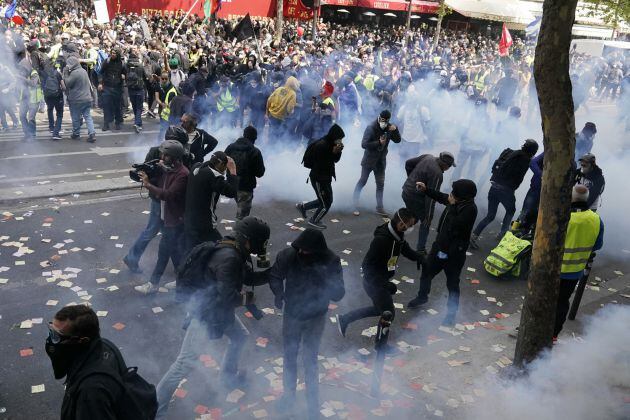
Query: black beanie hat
x=385 y=114
x=250 y=133
x=311 y=240
x=464 y=189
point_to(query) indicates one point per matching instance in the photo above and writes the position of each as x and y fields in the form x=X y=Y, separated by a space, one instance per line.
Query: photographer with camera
x=306 y=277
x=206 y=183
x=226 y=269
x=170 y=189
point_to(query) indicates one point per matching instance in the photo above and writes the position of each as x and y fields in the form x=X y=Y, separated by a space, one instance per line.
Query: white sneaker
x=170 y=285
x=147 y=288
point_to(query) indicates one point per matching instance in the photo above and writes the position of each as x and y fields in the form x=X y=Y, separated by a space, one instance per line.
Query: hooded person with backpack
x=508 y=172
x=79 y=94
x=53 y=95
x=136 y=79
x=320 y=157
x=216 y=273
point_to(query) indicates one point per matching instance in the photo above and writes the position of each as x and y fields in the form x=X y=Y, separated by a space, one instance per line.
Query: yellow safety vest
x=369 y=81
x=226 y=101
x=480 y=80
x=166 y=112
x=329 y=101
x=35 y=94
x=581 y=236
x=504 y=258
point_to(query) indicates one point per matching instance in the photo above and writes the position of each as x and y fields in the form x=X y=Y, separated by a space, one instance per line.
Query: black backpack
x=308 y=160
x=191 y=275
x=138 y=400
x=499 y=164
x=134 y=78
x=52 y=87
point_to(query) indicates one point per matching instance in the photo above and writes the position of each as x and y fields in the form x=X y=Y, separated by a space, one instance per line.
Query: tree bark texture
x=279 y=21
x=438 y=26
x=551 y=74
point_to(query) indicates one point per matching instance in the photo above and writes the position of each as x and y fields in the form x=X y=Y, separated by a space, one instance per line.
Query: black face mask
x=63 y=355
x=307 y=259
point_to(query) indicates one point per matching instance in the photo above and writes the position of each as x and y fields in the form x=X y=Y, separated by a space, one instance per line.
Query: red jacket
x=171 y=190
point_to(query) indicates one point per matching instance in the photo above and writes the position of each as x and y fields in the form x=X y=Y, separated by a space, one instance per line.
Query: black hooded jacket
x=202 y=144
x=594 y=181
x=307 y=286
x=511 y=173
x=111 y=74
x=376 y=153
x=249 y=163
x=384 y=251
x=324 y=159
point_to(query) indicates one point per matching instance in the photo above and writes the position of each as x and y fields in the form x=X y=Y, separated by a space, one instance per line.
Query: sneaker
x=91 y=138
x=171 y=285
x=117 y=127
x=132 y=267
x=317 y=225
x=137 y=128
x=147 y=288
x=341 y=325
x=75 y=136
x=417 y=301
x=449 y=320
x=356 y=213
x=105 y=127
x=381 y=212
x=56 y=137
x=150 y=114
x=300 y=208
x=474 y=241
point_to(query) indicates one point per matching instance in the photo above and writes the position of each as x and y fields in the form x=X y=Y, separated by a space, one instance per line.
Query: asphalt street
x=68 y=245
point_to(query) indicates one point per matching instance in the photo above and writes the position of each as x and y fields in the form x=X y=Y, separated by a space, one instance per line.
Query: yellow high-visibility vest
x=480 y=81
x=369 y=81
x=582 y=234
x=504 y=258
x=226 y=101
x=166 y=112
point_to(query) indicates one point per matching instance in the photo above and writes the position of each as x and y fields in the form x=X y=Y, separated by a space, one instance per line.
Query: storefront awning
x=417 y=6
x=509 y=11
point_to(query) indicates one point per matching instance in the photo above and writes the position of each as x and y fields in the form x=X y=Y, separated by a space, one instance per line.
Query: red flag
x=505 y=42
x=216 y=6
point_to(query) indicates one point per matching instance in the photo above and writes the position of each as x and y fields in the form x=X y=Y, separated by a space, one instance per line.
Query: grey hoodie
x=78 y=87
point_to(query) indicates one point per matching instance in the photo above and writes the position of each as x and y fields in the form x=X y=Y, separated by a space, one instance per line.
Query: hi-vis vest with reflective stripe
x=35 y=94
x=581 y=236
x=369 y=81
x=226 y=101
x=505 y=257
x=166 y=112
x=480 y=80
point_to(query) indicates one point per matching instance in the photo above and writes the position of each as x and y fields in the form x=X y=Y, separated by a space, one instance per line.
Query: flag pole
x=183 y=19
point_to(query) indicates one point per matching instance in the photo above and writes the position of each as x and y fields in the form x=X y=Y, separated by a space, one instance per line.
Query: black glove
x=391 y=288
x=278 y=302
x=421 y=259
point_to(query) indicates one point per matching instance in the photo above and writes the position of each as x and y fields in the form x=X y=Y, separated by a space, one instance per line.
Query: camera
x=151 y=168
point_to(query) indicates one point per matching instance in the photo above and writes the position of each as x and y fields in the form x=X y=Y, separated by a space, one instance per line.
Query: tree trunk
x=551 y=73
x=408 y=25
x=438 y=27
x=315 y=18
x=279 y=21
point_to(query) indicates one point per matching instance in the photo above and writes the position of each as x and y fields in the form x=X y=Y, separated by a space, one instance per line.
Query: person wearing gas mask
x=304 y=279
x=199 y=143
x=376 y=139
x=591 y=176
x=227 y=268
x=170 y=189
x=75 y=348
x=206 y=183
x=379 y=266
x=110 y=82
x=250 y=165
x=448 y=252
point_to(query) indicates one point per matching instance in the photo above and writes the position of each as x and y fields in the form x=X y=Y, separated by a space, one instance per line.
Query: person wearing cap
x=212 y=310
x=170 y=190
x=375 y=143
x=585 y=234
x=110 y=82
x=206 y=183
x=379 y=266
x=591 y=176
x=584 y=140
x=508 y=172
x=250 y=165
x=448 y=252
x=429 y=170
x=304 y=279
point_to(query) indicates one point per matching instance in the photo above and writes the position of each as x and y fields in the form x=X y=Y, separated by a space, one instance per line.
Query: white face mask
x=409 y=230
x=383 y=125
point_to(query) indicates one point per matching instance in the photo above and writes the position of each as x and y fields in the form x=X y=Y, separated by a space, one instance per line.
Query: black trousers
x=195 y=237
x=54 y=106
x=567 y=287
x=452 y=267
x=324 y=200
x=112 y=105
x=309 y=332
x=381 y=301
x=170 y=248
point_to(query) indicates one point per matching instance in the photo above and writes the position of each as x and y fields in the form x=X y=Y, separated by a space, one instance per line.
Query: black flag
x=244 y=29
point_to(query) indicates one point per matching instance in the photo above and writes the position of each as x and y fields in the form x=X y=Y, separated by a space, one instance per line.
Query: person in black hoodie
x=306 y=277
x=591 y=176
x=376 y=139
x=448 y=252
x=250 y=165
x=136 y=80
x=110 y=82
x=199 y=143
x=379 y=266
x=508 y=172
x=321 y=157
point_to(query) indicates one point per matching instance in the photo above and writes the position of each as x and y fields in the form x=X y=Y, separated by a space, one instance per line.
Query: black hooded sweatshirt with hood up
x=249 y=163
x=323 y=157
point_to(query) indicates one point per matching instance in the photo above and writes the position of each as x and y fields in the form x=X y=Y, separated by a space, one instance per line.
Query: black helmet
x=256 y=231
x=172 y=148
x=175 y=132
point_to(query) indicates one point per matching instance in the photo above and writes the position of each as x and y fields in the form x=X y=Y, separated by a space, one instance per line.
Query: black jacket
x=384 y=251
x=249 y=163
x=324 y=159
x=202 y=194
x=97 y=396
x=111 y=73
x=306 y=289
x=136 y=76
x=511 y=173
x=202 y=144
x=455 y=226
x=375 y=153
x=595 y=183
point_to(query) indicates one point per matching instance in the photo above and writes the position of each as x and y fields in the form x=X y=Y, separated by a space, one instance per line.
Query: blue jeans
x=498 y=196
x=136 y=97
x=78 y=113
x=530 y=203
x=196 y=343
x=153 y=227
x=423 y=235
x=163 y=127
x=379 y=178
x=28 y=111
